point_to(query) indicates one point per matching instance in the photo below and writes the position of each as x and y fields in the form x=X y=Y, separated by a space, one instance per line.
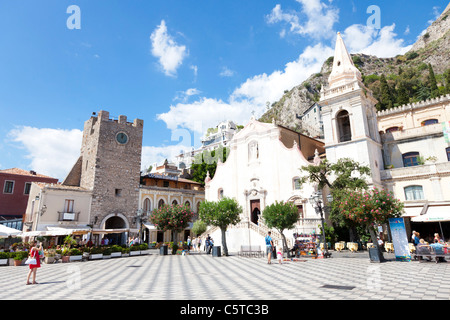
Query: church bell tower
x=349 y=116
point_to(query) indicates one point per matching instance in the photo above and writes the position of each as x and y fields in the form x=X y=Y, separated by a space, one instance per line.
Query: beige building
x=156 y=190
x=57 y=210
x=416 y=156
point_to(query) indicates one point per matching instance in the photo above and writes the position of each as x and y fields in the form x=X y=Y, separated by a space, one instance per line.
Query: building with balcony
x=416 y=153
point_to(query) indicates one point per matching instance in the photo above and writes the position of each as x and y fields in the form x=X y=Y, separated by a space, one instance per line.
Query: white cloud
x=164 y=47
x=156 y=155
x=184 y=95
x=318 y=23
x=250 y=96
x=226 y=72
x=51 y=152
x=382 y=43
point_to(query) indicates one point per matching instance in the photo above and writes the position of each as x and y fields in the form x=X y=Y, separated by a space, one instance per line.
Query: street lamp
x=316 y=201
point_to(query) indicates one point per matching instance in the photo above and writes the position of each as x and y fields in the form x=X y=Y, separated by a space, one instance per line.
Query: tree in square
x=221 y=214
x=281 y=216
x=173 y=218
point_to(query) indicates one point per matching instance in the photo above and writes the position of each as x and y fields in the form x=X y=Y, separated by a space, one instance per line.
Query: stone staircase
x=260 y=229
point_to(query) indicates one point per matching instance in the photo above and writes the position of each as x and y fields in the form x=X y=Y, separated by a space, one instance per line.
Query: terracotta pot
x=17 y=262
x=65 y=258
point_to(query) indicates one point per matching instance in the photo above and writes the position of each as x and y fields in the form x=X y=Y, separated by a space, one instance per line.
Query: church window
x=253 y=150
x=296 y=183
x=220 y=194
x=410 y=159
x=343 y=126
x=414 y=193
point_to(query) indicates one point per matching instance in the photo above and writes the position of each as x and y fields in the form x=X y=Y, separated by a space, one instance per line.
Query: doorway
x=255 y=211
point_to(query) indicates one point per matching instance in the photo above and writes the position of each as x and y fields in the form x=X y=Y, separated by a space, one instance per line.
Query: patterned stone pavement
x=193 y=277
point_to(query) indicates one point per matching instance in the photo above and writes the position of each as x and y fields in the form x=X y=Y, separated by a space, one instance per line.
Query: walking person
x=34 y=253
x=269 y=247
x=199 y=243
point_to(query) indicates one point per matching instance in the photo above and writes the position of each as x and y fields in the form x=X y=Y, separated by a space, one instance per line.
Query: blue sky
x=181 y=66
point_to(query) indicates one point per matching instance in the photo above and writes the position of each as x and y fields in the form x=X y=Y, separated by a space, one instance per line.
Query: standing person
x=34 y=253
x=199 y=243
x=269 y=247
x=207 y=244
x=189 y=243
x=194 y=244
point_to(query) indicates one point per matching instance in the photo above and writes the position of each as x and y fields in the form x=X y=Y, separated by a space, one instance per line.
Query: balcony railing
x=68 y=216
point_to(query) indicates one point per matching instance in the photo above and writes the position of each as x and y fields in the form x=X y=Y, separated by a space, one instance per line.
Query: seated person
x=439 y=249
x=423 y=248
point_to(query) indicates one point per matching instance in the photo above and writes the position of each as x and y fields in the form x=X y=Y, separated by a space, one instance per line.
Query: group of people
x=437 y=244
x=196 y=244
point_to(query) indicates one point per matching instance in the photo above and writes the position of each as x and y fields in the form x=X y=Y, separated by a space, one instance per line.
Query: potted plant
x=116 y=251
x=144 y=248
x=19 y=257
x=135 y=250
x=49 y=256
x=107 y=253
x=4 y=257
x=75 y=255
x=96 y=253
x=65 y=255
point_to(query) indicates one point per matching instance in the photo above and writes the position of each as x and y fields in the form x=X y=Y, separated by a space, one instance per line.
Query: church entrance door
x=255 y=211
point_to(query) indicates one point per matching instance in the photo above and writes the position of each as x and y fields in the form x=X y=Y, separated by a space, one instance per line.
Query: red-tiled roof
x=22 y=172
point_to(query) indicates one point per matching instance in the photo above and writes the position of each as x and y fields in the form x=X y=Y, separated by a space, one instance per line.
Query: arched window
x=187 y=204
x=343 y=126
x=410 y=159
x=392 y=129
x=147 y=207
x=161 y=203
x=414 y=193
x=220 y=193
x=429 y=122
x=175 y=202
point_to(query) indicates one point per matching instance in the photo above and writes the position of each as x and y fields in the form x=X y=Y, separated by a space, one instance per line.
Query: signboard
x=399 y=239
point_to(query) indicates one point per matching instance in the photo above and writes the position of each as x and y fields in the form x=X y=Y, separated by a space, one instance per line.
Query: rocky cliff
x=432 y=47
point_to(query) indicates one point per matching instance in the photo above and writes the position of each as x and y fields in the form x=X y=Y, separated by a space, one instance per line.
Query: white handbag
x=30 y=261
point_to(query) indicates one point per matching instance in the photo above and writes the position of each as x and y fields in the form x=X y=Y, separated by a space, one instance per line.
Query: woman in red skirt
x=34 y=253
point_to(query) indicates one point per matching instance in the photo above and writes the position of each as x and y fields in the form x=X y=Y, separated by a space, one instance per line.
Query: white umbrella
x=6 y=232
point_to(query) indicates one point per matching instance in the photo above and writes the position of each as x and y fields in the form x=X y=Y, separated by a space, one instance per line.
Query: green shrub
x=107 y=251
x=75 y=252
x=134 y=248
x=20 y=255
x=4 y=255
x=116 y=248
x=96 y=250
x=143 y=246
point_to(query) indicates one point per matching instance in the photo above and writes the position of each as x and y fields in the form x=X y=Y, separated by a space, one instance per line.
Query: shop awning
x=149 y=226
x=65 y=231
x=6 y=232
x=434 y=214
x=412 y=211
x=106 y=231
x=33 y=233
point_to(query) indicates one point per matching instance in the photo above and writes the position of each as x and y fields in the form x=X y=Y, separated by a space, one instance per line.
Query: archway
x=343 y=126
x=116 y=222
x=256 y=211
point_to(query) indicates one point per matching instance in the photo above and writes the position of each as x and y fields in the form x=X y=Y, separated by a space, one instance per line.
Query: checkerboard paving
x=203 y=277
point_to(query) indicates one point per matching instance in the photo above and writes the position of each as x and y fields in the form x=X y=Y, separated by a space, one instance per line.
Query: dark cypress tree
x=402 y=94
x=385 y=101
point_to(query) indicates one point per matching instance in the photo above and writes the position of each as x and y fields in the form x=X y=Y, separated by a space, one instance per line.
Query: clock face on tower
x=122 y=138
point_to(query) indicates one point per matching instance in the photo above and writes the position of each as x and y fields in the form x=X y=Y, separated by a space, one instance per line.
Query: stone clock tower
x=109 y=165
x=349 y=116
